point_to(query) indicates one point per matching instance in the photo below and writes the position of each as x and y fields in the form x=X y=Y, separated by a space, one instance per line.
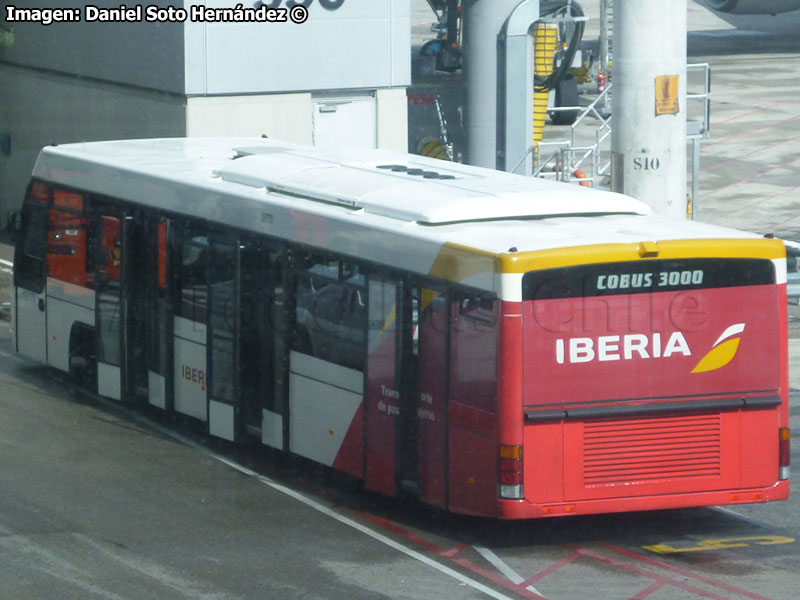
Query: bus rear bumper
x=522 y=509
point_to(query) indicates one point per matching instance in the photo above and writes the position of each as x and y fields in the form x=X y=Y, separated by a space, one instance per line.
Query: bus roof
x=395 y=208
x=401 y=186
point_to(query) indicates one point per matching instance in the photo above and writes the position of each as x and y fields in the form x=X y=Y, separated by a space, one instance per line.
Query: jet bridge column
x=648 y=139
x=483 y=21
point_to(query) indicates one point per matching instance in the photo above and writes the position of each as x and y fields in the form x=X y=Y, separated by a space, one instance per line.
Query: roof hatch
x=425 y=191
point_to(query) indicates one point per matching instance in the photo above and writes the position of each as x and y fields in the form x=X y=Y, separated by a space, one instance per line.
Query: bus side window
x=66 y=238
x=331 y=312
x=193 y=278
x=473 y=352
x=31 y=248
x=478 y=308
x=111 y=248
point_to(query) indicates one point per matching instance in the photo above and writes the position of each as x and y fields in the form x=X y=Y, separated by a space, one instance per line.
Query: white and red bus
x=493 y=344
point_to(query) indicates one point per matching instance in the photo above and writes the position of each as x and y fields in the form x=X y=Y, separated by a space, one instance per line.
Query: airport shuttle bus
x=492 y=344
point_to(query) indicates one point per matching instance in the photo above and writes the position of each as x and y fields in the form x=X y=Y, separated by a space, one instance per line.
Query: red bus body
x=635 y=402
x=563 y=380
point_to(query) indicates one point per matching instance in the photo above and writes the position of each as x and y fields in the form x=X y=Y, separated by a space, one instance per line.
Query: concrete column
x=648 y=139
x=482 y=22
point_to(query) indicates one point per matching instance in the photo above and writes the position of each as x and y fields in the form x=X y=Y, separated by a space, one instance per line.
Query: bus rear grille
x=645 y=450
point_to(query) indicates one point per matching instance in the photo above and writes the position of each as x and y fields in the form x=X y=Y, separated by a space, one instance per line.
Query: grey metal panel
x=47 y=108
x=148 y=55
x=483 y=21
x=363 y=44
x=516 y=111
x=401 y=43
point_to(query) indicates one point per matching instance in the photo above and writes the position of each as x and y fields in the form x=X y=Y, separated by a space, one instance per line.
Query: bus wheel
x=82 y=359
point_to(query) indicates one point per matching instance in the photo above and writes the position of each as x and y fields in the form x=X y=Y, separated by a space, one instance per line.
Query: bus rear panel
x=651 y=384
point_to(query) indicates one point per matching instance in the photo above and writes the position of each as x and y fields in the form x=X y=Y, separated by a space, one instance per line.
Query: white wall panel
x=393 y=119
x=363 y=44
x=278 y=116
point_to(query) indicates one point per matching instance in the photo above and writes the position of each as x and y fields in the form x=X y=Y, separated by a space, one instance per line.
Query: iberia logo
x=723 y=350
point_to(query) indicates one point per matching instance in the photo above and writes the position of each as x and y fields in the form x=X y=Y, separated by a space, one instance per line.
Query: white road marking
x=504 y=568
x=498 y=564
x=6 y=263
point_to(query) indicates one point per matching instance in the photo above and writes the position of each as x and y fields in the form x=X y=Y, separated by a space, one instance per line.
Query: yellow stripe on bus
x=456 y=262
x=581 y=255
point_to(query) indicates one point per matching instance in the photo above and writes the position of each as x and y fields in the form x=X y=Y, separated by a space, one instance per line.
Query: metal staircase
x=584 y=154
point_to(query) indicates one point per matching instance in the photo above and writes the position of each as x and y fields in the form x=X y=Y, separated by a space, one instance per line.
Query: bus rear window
x=647 y=276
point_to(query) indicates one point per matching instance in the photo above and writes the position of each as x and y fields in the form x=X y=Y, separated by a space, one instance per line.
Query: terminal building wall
x=364 y=44
x=142 y=55
x=338 y=78
x=38 y=108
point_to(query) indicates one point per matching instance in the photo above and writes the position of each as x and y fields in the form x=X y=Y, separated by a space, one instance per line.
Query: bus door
x=407 y=450
x=242 y=338
x=158 y=314
x=326 y=362
x=135 y=299
x=383 y=406
x=108 y=302
x=30 y=316
x=429 y=356
x=190 y=258
x=263 y=339
x=224 y=334
x=421 y=448
x=406 y=405
x=473 y=411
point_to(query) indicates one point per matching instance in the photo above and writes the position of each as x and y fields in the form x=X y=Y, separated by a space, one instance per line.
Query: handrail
x=704 y=96
x=568 y=157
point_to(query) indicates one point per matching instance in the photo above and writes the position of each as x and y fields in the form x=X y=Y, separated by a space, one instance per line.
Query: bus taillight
x=784 y=449
x=510 y=472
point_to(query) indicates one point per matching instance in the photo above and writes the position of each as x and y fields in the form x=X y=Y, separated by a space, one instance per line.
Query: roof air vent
x=416 y=172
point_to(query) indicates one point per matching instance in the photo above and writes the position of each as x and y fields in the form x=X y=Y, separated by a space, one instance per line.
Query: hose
x=549 y=82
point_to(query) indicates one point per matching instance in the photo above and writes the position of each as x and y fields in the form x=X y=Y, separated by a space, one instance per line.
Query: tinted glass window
x=224 y=319
x=473 y=352
x=193 y=278
x=29 y=262
x=331 y=312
